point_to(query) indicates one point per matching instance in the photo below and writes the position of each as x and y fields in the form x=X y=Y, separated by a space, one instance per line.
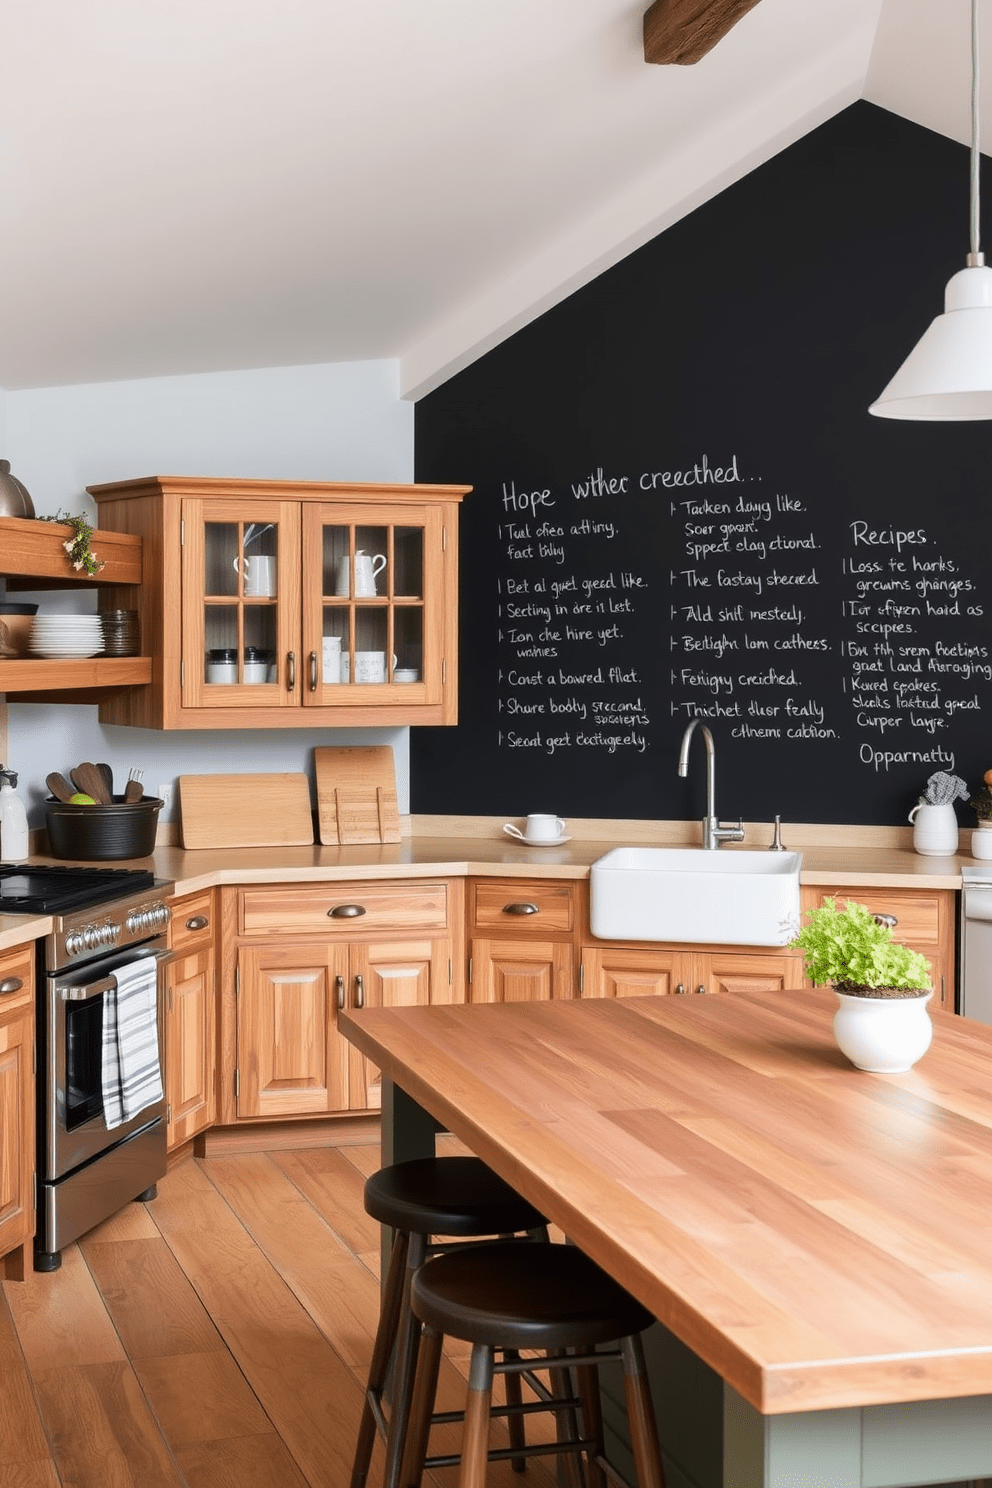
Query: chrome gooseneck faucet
x=713 y=832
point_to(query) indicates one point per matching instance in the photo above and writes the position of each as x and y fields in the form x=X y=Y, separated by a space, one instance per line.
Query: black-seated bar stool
x=463 y=1201
x=550 y=1298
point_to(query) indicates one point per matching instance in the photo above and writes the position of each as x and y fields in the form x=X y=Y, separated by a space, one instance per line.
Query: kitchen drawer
x=516 y=905
x=920 y=915
x=16 y=966
x=344 y=909
x=192 y=924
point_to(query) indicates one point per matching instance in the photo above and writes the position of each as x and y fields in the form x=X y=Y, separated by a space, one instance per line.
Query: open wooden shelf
x=33 y=551
x=31 y=675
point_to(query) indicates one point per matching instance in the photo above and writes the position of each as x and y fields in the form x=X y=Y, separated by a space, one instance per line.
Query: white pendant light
x=948 y=374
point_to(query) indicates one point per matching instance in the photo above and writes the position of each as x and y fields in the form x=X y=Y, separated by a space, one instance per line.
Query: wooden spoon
x=59 y=786
x=108 y=779
x=89 y=780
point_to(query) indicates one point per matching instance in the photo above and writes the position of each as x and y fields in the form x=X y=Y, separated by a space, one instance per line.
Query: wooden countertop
x=876 y=857
x=818 y=1235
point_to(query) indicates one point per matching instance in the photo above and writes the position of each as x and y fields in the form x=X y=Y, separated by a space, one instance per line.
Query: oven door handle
x=69 y=993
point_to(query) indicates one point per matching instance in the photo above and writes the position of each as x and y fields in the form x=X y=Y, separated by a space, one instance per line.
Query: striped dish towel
x=132 y=1074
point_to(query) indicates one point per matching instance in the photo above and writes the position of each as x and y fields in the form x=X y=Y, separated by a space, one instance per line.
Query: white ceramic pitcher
x=935 y=829
x=367 y=570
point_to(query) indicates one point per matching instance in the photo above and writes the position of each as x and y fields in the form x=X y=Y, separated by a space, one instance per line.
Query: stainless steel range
x=101 y=1109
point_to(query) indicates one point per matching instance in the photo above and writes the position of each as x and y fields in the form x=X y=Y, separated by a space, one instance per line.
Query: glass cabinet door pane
x=368 y=662
x=221 y=558
x=408 y=643
x=408 y=562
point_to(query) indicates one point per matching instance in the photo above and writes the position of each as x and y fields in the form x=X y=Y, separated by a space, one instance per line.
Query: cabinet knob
x=700 y=989
x=313 y=671
x=10 y=984
x=197 y=922
x=359 y=992
x=520 y=909
x=886 y=919
x=339 y=986
x=680 y=989
x=346 y=911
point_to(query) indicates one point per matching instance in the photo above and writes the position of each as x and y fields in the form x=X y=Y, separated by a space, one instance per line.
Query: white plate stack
x=66 y=635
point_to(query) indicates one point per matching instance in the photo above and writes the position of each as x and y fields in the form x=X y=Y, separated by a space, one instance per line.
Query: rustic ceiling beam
x=684 y=30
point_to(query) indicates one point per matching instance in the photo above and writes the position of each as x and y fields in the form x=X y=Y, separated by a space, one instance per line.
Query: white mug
x=935 y=829
x=540 y=828
x=259 y=574
x=367 y=570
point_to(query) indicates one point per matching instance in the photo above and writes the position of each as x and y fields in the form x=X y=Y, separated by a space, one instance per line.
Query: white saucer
x=544 y=841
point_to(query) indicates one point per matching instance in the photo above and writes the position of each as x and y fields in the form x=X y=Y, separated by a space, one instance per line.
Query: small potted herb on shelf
x=81 y=556
x=882 y=986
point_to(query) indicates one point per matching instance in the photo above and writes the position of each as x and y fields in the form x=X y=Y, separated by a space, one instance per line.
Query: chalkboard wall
x=682 y=509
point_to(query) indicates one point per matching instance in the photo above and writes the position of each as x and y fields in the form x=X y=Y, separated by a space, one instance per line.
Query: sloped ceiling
x=205 y=185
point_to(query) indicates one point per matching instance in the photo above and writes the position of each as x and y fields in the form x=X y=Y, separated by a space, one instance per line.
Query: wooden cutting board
x=356 y=794
x=245 y=810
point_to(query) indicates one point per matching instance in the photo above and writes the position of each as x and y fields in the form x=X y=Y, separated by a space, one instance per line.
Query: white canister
x=935 y=829
x=981 y=841
x=332 y=658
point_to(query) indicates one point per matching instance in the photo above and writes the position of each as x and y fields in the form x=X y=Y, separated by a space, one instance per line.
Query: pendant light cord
x=975 y=257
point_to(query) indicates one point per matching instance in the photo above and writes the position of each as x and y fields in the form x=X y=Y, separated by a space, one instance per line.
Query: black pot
x=124 y=830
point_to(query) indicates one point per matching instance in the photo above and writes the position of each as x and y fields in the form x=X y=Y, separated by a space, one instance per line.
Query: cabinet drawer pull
x=313 y=671
x=10 y=984
x=680 y=989
x=886 y=919
x=700 y=989
x=359 y=992
x=339 y=984
x=521 y=909
x=291 y=671
x=346 y=911
x=197 y=922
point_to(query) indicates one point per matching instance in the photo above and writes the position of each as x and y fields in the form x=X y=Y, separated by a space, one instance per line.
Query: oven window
x=84 y=1059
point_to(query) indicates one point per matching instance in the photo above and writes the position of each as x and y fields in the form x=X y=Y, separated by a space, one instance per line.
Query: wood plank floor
x=217 y=1337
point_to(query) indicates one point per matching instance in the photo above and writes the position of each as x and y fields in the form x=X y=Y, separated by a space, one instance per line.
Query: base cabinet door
x=17 y=1113
x=191 y=1018
x=740 y=971
x=620 y=972
x=505 y=970
x=190 y=1059
x=410 y=973
x=291 y=1058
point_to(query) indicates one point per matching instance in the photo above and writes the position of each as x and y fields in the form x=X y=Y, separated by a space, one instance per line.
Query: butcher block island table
x=820 y=1237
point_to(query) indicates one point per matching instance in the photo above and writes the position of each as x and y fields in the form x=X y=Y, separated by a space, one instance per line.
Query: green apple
x=79 y=799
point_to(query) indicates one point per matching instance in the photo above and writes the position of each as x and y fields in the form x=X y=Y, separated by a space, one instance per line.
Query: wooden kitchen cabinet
x=305 y=953
x=17 y=1109
x=924 y=919
x=251 y=601
x=521 y=939
x=191 y=1018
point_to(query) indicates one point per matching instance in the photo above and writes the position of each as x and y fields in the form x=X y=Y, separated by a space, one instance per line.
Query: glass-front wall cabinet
x=292 y=604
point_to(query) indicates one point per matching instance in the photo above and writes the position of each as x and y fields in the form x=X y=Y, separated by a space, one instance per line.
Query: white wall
x=340 y=421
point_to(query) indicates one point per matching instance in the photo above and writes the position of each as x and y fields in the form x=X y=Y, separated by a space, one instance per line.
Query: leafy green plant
x=81 y=556
x=850 y=950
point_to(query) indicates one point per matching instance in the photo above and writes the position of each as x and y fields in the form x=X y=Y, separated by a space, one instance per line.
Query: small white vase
x=885 y=1035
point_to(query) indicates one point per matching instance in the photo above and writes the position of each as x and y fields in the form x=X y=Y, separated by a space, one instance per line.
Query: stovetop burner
x=46 y=889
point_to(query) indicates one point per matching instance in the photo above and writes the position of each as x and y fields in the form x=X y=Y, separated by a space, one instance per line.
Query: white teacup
x=540 y=828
